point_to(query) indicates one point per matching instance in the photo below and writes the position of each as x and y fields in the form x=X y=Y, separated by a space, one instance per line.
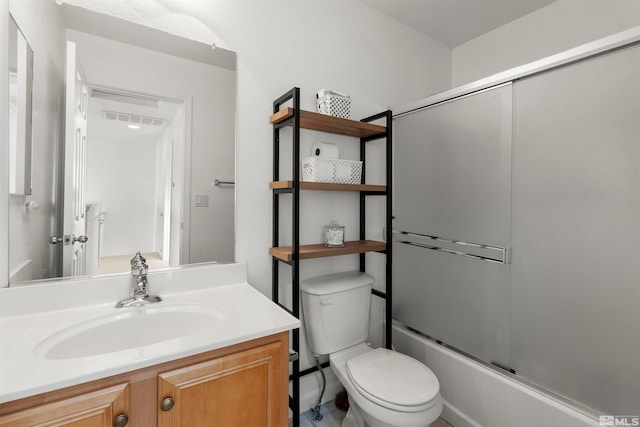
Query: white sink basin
x=129 y=328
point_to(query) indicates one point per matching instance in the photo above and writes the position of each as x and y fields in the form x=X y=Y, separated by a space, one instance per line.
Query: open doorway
x=135 y=158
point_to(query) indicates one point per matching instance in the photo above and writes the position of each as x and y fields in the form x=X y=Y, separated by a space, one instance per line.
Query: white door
x=75 y=166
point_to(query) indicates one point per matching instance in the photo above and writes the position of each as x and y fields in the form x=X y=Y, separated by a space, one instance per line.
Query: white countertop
x=248 y=315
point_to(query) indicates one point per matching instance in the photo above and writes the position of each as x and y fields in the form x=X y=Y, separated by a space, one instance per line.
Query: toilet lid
x=393 y=378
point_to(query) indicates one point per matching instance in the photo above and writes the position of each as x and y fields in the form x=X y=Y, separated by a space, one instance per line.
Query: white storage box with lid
x=331 y=301
x=336 y=171
x=333 y=103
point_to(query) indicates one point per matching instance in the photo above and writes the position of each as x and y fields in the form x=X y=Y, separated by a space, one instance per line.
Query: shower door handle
x=479 y=251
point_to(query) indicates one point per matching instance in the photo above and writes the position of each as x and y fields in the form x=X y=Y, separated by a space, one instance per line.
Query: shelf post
x=363 y=200
x=294 y=96
x=295 y=299
x=388 y=294
x=389 y=230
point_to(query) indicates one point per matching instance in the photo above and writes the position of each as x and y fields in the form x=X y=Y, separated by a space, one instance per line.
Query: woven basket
x=337 y=171
x=333 y=103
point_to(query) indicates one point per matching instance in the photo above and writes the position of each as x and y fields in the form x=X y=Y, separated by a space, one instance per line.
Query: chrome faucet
x=139 y=286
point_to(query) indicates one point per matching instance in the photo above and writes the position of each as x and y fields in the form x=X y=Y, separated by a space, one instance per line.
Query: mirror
x=139 y=158
x=20 y=108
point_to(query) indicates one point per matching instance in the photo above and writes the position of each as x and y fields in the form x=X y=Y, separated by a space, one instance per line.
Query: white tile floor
x=332 y=417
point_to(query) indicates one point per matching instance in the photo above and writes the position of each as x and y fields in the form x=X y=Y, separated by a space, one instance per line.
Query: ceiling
x=454 y=22
x=129 y=109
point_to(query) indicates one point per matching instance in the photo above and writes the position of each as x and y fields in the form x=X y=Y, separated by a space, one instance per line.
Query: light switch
x=202 y=200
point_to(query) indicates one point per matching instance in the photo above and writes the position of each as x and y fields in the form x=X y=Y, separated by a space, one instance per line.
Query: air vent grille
x=132 y=118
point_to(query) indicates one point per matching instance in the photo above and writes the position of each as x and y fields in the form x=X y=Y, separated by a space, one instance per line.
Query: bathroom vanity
x=82 y=362
x=240 y=385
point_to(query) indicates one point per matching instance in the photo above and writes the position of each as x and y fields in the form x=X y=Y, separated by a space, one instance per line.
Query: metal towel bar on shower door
x=490 y=253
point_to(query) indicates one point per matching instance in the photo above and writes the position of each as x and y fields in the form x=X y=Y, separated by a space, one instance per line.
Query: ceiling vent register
x=132 y=118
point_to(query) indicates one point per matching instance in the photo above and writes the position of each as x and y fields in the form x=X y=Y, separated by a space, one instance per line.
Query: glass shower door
x=575 y=287
x=452 y=176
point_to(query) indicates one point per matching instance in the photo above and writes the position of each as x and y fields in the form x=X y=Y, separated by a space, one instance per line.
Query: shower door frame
x=621 y=40
x=614 y=43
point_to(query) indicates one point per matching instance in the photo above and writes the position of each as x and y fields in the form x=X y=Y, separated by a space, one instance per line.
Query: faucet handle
x=139 y=264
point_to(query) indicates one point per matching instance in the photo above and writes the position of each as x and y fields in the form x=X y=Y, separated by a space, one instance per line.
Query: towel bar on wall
x=490 y=253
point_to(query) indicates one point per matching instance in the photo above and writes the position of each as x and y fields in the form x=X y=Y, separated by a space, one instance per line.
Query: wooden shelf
x=325 y=186
x=331 y=124
x=320 y=251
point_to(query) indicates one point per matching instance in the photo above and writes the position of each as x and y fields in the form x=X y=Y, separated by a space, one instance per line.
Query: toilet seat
x=393 y=380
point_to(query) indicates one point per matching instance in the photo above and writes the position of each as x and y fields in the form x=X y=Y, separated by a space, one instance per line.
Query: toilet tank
x=335 y=310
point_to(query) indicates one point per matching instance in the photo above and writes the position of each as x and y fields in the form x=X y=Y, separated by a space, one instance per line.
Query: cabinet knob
x=167 y=403
x=121 y=420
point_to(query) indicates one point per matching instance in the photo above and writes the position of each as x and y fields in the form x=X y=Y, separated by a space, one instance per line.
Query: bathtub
x=476 y=395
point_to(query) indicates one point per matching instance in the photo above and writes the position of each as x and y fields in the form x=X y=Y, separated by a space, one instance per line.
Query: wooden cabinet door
x=245 y=389
x=95 y=409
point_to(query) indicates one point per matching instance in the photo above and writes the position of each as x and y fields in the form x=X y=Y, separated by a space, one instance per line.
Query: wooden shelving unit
x=330 y=124
x=324 y=186
x=365 y=131
x=285 y=253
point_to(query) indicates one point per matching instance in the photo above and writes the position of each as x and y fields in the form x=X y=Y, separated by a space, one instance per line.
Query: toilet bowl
x=386 y=389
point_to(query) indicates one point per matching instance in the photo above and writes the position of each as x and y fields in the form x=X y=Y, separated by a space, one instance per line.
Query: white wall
x=42 y=27
x=335 y=44
x=342 y=45
x=176 y=134
x=313 y=45
x=164 y=153
x=557 y=27
x=122 y=177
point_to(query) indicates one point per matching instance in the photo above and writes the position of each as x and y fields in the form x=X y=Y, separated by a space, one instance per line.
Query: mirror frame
x=4 y=151
x=21 y=124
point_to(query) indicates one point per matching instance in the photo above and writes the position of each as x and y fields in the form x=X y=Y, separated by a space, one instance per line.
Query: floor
x=122 y=263
x=332 y=417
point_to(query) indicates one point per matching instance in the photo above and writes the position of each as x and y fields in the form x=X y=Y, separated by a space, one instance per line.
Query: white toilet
x=386 y=388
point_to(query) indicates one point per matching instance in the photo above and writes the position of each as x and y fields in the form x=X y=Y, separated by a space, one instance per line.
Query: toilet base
x=356 y=417
x=353 y=418
x=364 y=413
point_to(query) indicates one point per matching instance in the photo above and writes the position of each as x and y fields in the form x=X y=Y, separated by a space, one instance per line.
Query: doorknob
x=68 y=239
x=55 y=240
x=81 y=239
